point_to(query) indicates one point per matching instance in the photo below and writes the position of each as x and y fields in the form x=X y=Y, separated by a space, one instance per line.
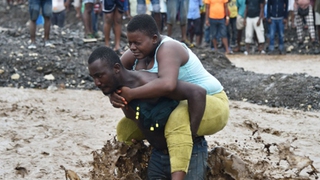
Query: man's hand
x=259 y=22
x=284 y=21
x=116 y=100
x=244 y=22
x=227 y=21
x=269 y=21
x=207 y=23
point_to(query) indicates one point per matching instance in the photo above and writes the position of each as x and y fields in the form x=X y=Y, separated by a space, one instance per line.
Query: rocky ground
x=65 y=65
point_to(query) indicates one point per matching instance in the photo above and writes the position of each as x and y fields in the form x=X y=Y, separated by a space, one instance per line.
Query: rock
x=15 y=76
x=49 y=77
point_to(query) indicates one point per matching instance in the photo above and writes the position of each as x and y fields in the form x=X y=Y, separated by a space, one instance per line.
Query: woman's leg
x=128 y=130
x=178 y=133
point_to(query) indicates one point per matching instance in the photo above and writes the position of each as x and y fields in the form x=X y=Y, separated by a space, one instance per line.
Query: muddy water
x=287 y=64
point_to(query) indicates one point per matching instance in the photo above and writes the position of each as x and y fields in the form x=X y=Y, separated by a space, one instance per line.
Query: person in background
x=203 y=22
x=126 y=8
x=303 y=10
x=113 y=11
x=291 y=18
x=163 y=11
x=77 y=7
x=217 y=17
x=253 y=21
x=59 y=12
x=142 y=9
x=194 y=21
x=87 y=18
x=35 y=7
x=317 y=17
x=180 y=8
x=277 y=18
x=232 y=29
x=95 y=18
x=241 y=5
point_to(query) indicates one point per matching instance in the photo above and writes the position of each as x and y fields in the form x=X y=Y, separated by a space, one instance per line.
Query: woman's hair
x=144 y=23
x=106 y=55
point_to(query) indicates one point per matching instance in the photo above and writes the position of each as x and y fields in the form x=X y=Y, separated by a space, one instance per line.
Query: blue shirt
x=241 y=4
x=193 y=72
x=194 y=9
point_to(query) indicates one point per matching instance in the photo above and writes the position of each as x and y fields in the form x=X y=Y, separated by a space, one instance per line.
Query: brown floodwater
x=288 y=64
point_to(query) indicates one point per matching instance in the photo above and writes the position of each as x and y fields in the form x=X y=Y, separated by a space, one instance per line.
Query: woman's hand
x=125 y=94
x=117 y=100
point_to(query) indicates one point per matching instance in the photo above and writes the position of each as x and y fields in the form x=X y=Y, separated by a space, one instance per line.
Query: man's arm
x=245 y=15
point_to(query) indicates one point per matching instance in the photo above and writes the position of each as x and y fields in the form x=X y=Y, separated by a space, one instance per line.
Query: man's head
x=104 y=67
x=144 y=23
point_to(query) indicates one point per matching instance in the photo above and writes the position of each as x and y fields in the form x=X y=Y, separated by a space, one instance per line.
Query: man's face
x=104 y=76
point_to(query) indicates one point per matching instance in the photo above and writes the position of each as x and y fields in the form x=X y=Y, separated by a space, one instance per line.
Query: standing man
x=303 y=10
x=59 y=8
x=277 y=18
x=253 y=17
x=180 y=7
x=194 y=21
x=34 y=9
x=113 y=10
x=87 y=18
x=241 y=5
x=232 y=5
x=217 y=17
x=142 y=9
x=317 y=18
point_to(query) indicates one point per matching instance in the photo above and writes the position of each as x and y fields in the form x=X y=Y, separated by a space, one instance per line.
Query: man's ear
x=155 y=39
x=116 y=68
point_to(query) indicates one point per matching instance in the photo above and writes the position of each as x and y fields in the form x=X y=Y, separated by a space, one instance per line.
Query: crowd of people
x=203 y=23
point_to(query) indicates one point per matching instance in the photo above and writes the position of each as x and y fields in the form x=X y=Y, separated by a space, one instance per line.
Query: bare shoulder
x=172 y=49
x=127 y=59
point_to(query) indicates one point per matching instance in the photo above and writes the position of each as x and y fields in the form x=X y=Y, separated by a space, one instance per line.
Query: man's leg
x=141 y=7
x=34 y=10
x=184 y=6
x=280 y=26
x=117 y=17
x=272 y=28
x=260 y=34
x=310 y=23
x=239 y=26
x=159 y=165
x=249 y=33
x=198 y=162
x=88 y=6
x=299 y=26
x=214 y=32
x=171 y=15
x=223 y=29
x=47 y=24
x=47 y=13
x=108 y=21
x=156 y=12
